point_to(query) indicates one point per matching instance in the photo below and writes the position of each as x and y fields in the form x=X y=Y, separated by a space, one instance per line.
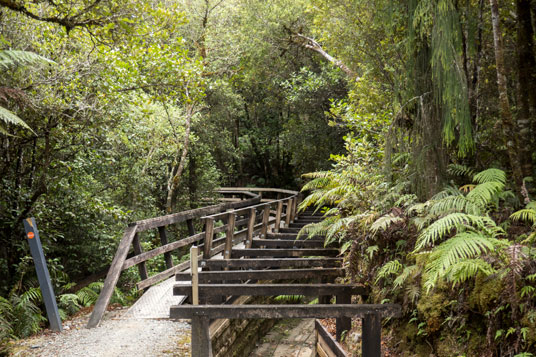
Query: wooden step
x=289 y=230
x=293 y=236
x=270 y=289
x=287 y=243
x=285 y=252
x=284 y=311
x=277 y=274
x=271 y=263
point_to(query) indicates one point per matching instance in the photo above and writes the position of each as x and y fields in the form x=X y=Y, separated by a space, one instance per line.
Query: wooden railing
x=247 y=213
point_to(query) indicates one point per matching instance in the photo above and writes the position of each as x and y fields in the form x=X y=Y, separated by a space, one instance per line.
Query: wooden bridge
x=246 y=241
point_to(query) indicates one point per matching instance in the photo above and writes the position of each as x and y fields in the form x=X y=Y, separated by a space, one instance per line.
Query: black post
x=372 y=336
x=343 y=323
x=42 y=274
x=201 y=344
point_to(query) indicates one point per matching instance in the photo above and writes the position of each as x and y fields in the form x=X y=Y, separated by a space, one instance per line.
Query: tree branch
x=311 y=44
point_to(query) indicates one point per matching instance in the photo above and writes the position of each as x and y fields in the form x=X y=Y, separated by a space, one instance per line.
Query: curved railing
x=244 y=213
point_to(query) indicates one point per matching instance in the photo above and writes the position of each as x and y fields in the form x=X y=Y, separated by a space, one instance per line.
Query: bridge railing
x=241 y=217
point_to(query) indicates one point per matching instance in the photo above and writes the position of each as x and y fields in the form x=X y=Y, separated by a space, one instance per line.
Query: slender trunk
x=526 y=65
x=175 y=175
x=507 y=120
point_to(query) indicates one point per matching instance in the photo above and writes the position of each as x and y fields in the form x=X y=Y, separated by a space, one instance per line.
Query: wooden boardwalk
x=249 y=246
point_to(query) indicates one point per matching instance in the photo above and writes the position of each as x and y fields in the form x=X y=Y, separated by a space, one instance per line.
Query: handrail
x=207 y=214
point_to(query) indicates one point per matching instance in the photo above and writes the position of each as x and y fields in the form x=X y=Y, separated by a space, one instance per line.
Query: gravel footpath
x=117 y=335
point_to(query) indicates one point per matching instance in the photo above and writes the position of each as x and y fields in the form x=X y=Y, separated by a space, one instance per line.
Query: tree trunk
x=527 y=84
x=175 y=175
x=507 y=120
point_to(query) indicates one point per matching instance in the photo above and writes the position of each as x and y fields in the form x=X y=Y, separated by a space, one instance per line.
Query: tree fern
x=390 y=268
x=490 y=175
x=461 y=170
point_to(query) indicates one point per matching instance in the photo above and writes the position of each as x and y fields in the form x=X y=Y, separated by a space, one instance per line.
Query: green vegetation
x=412 y=125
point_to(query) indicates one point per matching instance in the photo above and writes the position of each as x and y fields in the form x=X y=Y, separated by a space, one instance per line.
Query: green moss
x=485 y=293
x=431 y=308
x=447 y=346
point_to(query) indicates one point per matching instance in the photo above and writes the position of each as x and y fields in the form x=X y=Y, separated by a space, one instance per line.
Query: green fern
x=461 y=170
x=13 y=58
x=490 y=175
x=390 y=268
x=384 y=222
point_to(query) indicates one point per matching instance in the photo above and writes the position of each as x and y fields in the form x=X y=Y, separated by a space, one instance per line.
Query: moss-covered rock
x=485 y=294
x=431 y=308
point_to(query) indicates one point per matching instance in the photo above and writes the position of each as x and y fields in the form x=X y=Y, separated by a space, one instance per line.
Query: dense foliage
x=113 y=111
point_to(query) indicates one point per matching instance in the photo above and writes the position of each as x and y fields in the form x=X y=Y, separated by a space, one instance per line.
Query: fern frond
x=460 y=170
x=457 y=203
x=406 y=273
x=485 y=192
x=526 y=214
x=384 y=222
x=490 y=175
x=9 y=117
x=467 y=269
x=13 y=58
x=443 y=226
x=389 y=268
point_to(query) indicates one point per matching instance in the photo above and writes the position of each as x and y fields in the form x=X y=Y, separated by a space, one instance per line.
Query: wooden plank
x=272 y=263
x=288 y=209
x=201 y=344
x=278 y=215
x=191 y=214
x=288 y=252
x=163 y=275
x=286 y=243
x=209 y=234
x=164 y=241
x=371 y=335
x=265 y=221
x=293 y=236
x=283 y=311
x=288 y=230
x=194 y=251
x=229 y=234
x=270 y=289
x=157 y=251
x=191 y=228
x=205 y=276
x=142 y=268
x=257 y=189
x=112 y=277
x=251 y=227
x=328 y=342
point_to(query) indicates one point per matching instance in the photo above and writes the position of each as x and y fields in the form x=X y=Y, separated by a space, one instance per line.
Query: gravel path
x=117 y=335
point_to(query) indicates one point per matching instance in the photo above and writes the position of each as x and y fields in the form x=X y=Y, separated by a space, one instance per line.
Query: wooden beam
x=265 y=221
x=293 y=236
x=163 y=275
x=157 y=251
x=272 y=263
x=194 y=251
x=251 y=227
x=343 y=324
x=283 y=253
x=286 y=243
x=281 y=274
x=112 y=277
x=283 y=311
x=328 y=342
x=278 y=216
x=270 y=289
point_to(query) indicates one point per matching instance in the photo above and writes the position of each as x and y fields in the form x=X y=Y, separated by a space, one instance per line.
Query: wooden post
x=194 y=252
x=294 y=208
x=191 y=229
x=251 y=227
x=209 y=234
x=229 y=235
x=164 y=240
x=372 y=335
x=278 y=215
x=138 y=250
x=201 y=344
x=288 y=209
x=343 y=323
x=265 y=220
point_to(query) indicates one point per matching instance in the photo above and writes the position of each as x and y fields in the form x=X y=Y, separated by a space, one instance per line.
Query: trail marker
x=42 y=274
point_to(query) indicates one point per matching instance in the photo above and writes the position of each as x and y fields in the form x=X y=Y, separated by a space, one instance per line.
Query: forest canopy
x=117 y=110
